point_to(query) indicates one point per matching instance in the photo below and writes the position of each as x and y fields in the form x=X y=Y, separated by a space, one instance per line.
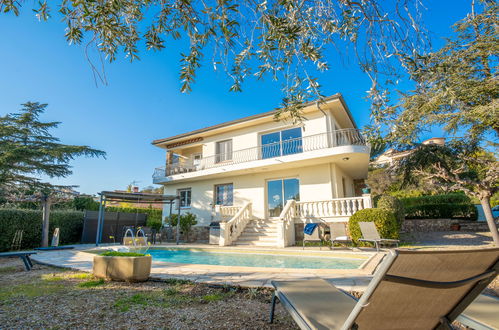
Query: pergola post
x=100 y=219
x=178 y=220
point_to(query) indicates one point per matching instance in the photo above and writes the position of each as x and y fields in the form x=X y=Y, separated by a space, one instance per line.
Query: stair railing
x=286 y=225
x=232 y=229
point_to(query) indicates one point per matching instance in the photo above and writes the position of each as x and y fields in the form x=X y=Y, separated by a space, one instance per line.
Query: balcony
x=338 y=138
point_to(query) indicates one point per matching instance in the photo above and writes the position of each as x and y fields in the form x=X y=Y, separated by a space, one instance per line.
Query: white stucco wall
x=317 y=183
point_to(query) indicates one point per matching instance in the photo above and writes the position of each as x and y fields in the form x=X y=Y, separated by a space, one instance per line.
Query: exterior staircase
x=259 y=232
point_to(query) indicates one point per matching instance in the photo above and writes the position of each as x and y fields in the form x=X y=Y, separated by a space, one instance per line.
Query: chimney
x=135 y=189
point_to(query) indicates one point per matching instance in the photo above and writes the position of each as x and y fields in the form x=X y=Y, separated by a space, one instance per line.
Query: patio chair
x=339 y=234
x=370 y=234
x=410 y=290
x=316 y=236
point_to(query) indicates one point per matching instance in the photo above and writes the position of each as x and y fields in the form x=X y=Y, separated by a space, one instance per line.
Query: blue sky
x=142 y=101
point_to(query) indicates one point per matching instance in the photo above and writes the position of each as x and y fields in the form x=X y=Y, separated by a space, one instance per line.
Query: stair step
x=253 y=243
x=256 y=239
x=260 y=230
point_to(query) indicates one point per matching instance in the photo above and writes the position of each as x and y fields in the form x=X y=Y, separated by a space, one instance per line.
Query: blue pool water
x=202 y=257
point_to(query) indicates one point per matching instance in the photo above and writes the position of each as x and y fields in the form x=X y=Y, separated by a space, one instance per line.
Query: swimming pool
x=253 y=259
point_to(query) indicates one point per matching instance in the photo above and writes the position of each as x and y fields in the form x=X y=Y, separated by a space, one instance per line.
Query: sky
x=142 y=100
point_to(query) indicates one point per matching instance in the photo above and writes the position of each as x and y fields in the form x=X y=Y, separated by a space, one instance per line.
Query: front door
x=279 y=192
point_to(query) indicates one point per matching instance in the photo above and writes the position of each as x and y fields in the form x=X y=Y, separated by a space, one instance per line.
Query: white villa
x=261 y=178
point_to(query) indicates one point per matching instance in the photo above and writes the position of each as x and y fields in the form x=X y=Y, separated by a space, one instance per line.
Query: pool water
x=203 y=257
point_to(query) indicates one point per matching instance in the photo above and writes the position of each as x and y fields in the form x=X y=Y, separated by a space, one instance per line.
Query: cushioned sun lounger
x=370 y=234
x=483 y=313
x=410 y=290
x=23 y=255
x=339 y=234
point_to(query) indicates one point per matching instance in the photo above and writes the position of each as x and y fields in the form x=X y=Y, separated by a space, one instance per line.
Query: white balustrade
x=232 y=229
x=337 y=207
x=227 y=212
x=286 y=225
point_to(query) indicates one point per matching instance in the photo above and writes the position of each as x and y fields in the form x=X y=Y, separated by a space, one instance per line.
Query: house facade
x=262 y=178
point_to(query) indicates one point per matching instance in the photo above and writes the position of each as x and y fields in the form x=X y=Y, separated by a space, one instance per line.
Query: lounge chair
x=316 y=236
x=482 y=313
x=339 y=234
x=370 y=234
x=410 y=290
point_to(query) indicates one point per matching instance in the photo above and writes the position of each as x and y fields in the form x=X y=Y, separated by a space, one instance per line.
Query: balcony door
x=279 y=192
x=281 y=143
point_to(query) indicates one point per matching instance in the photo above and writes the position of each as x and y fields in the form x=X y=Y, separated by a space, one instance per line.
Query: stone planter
x=129 y=269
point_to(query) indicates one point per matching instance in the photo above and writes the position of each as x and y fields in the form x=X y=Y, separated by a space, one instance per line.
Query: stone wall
x=431 y=225
x=198 y=234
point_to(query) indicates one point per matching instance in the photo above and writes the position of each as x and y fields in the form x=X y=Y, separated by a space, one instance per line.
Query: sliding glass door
x=279 y=192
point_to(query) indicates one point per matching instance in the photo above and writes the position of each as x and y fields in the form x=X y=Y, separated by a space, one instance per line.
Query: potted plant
x=122 y=266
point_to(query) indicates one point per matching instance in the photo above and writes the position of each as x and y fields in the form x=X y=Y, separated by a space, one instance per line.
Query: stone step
x=256 y=238
x=260 y=230
x=255 y=243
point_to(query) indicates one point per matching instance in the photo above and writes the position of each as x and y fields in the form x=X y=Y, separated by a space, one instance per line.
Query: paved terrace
x=346 y=279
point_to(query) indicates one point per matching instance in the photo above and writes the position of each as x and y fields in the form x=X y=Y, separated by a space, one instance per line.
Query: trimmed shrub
x=187 y=220
x=441 y=211
x=455 y=198
x=394 y=205
x=70 y=224
x=456 y=205
x=153 y=215
x=385 y=222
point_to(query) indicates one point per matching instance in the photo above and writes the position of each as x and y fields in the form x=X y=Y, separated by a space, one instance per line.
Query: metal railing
x=335 y=138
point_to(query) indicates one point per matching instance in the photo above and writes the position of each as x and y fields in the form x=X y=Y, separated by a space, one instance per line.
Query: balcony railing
x=336 y=138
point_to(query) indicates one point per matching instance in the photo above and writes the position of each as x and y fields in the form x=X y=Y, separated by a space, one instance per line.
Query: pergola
x=113 y=196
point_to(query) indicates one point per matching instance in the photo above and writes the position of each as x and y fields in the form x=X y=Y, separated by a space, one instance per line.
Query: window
x=281 y=143
x=196 y=161
x=224 y=194
x=185 y=197
x=223 y=151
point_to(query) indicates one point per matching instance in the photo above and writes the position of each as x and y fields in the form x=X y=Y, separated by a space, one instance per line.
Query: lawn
x=49 y=297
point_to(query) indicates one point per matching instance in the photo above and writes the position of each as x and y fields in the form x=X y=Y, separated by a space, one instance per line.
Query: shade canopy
x=116 y=196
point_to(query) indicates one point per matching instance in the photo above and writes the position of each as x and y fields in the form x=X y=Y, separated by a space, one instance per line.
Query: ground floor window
x=279 y=192
x=185 y=197
x=224 y=194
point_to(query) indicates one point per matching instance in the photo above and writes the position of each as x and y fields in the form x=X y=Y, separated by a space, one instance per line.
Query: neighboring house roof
x=337 y=96
x=391 y=154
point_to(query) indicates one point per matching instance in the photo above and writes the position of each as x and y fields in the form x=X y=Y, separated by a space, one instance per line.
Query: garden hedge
x=385 y=222
x=153 y=215
x=444 y=206
x=70 y=224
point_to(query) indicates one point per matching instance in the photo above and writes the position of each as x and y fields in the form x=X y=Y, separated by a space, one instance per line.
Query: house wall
x=317 y=182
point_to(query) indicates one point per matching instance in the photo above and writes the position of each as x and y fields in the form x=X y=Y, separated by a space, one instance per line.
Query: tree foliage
x=456 y=87
x=287 y=40
x=28 y=150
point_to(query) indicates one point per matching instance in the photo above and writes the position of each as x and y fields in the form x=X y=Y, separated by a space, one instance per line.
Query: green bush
x=153 y=215
x=441 y=211
x=70 y=224
x=394 y=205
x=385 y=222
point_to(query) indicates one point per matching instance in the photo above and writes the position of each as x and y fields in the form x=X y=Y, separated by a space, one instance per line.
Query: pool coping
x=346 y=279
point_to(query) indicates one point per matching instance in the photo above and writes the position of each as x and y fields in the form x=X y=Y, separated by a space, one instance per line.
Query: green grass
x=82 y=276
x=122 y=254
x=176 y=281
x=10 y=269
x=91 y=284
x=213 y=297
x=31 y=290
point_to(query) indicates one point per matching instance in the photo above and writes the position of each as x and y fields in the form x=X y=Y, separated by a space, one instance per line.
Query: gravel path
x=447 y=240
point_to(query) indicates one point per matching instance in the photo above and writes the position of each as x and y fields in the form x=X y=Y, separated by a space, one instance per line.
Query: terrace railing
x=335 y=138
x=337 y=207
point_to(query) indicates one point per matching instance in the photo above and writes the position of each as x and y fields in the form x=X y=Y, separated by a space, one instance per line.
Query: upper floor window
x=224 y=194
x=185 y=197
x=282 y=143
x=223 y=151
